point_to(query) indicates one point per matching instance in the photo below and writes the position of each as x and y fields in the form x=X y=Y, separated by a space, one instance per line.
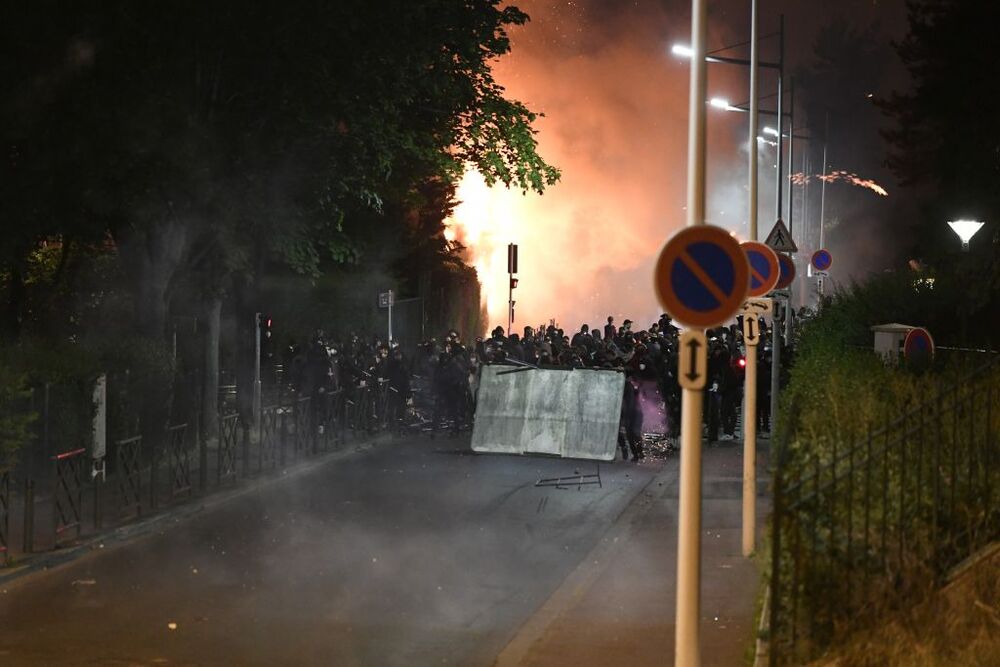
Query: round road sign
x=918 y=344
x=821 y=260
x=701 y=277
x=787 y=271
x=764 y=268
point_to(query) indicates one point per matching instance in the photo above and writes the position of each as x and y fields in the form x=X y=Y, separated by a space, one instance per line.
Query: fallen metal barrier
x=567 y=413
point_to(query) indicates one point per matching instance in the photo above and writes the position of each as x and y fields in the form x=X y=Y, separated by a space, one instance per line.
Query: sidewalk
x=617 y=608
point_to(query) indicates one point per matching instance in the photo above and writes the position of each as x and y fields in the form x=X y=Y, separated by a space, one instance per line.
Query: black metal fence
x=866 y=526
x=58 y=492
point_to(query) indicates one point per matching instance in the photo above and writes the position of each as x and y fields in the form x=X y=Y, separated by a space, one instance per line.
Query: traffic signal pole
x=511 y=283
x=775 y=323
x=256 y=370
x=750 y=380
x=687 y=650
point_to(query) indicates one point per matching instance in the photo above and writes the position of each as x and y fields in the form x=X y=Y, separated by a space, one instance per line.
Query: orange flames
x=485 y=221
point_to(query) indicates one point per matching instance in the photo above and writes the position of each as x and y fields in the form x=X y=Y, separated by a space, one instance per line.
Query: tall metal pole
x=791 y=153
x=806 y=164
x=687 y=652
x=822 y=201
x=257 y=393
x=510 y=301
x=822 y=195
x=806 y=230
x=791 y=201
x=775 y=324
x=750 y=383
x=391 y=299
x=781 y=117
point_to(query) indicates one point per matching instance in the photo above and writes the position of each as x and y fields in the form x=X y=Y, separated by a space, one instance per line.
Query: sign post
x=511 y=270
x=783 y=303
x=387 y=300
x=687 y=651
x=822 y=260
x=765 y=270
x=701 y=280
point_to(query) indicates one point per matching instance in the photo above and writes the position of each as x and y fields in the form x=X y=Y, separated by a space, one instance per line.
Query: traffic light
x=265 y=322
x=513 y=283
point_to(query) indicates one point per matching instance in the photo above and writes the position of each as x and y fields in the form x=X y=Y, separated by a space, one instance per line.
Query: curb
x=128 y=533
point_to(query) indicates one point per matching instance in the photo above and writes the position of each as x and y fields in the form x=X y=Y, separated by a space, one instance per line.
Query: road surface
x=411 y=553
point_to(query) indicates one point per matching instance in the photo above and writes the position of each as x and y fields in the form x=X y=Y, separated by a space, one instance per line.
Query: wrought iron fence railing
x=866 y=526
x=56 y=495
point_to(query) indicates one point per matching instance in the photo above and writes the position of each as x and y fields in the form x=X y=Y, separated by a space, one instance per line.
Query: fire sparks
x=846 y=176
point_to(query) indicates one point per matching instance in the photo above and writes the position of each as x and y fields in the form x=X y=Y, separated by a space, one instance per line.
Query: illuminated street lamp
x=770 y=130
x=685 y=51
x=965 y=229
x=720 y=103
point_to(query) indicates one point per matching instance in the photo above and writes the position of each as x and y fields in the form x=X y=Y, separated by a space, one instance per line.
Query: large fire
x=485 y=221
x=615 y=124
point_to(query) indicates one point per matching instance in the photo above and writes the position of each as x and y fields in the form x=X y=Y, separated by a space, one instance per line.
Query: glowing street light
x=720 y=103
x=682 y=50
x=770 y=130
x=965 y=230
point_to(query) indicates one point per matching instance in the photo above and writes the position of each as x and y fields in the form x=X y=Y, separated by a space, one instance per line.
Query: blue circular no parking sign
x=822 y=260
x=702 y=276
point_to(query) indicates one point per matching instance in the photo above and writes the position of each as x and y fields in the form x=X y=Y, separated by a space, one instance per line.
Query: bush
x=886 y=470
x=15 y=416
x=51 y=378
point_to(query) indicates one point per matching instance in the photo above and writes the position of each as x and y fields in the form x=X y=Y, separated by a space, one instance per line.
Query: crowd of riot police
x=435 y=385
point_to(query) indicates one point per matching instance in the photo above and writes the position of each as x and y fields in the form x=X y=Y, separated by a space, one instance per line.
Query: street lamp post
x=687 y=650
x=749 y=527
x=965 y=230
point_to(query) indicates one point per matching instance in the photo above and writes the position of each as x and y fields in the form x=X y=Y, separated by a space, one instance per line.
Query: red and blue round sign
x=787 y=267
x=918 y=344
x=764 y=267
x=702 y=277
x=822 y=260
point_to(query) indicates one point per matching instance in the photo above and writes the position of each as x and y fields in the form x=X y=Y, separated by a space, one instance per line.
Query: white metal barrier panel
x=569 y=413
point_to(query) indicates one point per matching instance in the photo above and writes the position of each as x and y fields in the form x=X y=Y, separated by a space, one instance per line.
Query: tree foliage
x=945 y=142
x=211 y=138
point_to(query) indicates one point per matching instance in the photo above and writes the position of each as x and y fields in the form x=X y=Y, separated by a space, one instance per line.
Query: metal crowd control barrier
x=67 y=493
x=271 y=443
x=128 y=473
x=180 y=461
x=302 y=419
x=228 y=434
x=291 y=424
x=5 y=516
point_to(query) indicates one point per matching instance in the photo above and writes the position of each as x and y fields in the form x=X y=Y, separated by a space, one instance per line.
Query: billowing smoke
x=615 y=100
x=616 y=124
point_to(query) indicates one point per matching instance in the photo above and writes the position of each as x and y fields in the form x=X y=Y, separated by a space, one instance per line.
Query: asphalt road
x=413 y=553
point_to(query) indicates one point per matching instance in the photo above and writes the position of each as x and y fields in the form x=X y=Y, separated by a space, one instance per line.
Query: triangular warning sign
x=780 y=240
